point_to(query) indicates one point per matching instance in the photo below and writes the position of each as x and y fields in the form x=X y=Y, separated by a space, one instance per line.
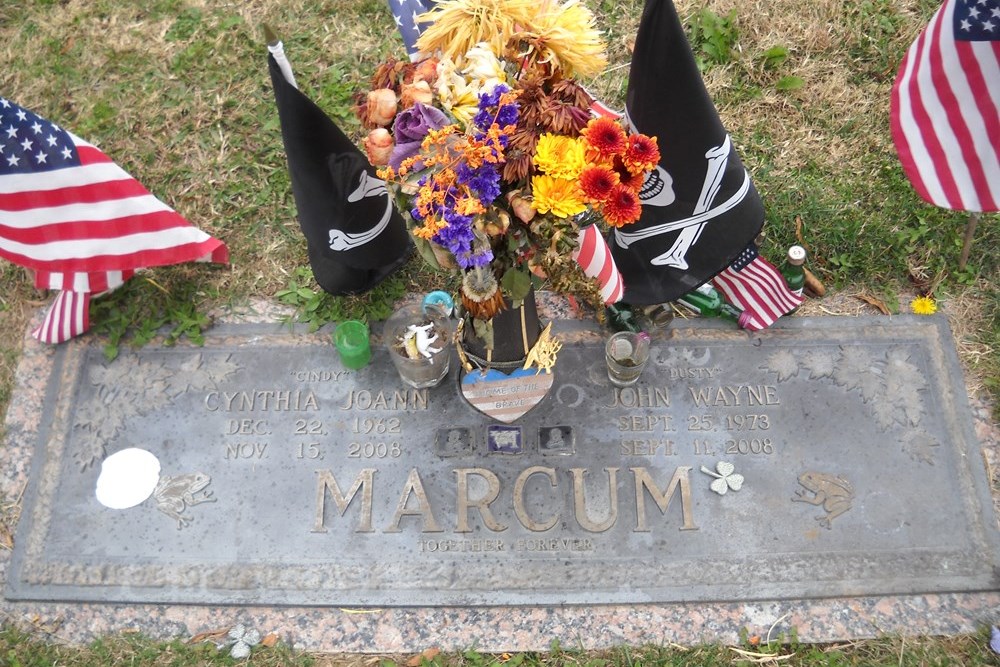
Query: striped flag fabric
x=79 y=221
x=945 y=107
x=405 y=13
x=594 y=257
x=754 y=285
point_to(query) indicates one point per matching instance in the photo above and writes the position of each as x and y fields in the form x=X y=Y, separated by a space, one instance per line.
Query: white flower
x=456 y=94
x=483 y=67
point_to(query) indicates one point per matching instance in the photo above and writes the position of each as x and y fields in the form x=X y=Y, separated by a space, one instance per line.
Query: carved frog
x=174 y=494
x=833 y=493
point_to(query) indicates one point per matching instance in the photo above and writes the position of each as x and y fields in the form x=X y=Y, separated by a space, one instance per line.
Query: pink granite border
x=493 y=629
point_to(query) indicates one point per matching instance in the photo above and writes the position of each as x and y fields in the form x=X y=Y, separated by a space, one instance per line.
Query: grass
x=176 y=91
x=20 y=649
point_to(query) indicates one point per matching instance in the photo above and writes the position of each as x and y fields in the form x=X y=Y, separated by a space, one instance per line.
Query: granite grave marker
x=823 y=457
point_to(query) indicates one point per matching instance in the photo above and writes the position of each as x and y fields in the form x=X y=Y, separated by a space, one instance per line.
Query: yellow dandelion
x=923 y=305
x=456 y=26
x=558 y=196
x=560 y=156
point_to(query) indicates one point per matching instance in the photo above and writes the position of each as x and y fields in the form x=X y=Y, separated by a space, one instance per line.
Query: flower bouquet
x=489 y=144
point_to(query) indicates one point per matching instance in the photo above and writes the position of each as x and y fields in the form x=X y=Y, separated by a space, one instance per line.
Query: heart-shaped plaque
x=505 y=397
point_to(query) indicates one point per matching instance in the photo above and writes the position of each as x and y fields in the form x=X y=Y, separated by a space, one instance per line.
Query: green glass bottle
x=794 y=269
x=621 y=317
x=707 y=302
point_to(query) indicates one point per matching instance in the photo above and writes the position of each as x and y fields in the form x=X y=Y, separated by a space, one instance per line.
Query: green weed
x=713 y=37
x=316 y=307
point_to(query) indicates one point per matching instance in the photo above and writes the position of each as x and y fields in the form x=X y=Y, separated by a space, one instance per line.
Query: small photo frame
x=504 y=439
x=556 y=440
x=455 y=441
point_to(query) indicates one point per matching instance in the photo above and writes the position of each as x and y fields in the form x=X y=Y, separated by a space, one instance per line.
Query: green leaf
x=516 y=283
x=790 y=83
x=774 y=56
x=484 y=331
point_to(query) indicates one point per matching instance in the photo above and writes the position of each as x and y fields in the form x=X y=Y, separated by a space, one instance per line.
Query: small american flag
x=405 y=13
x=754 y=285
x=81 y=223
x=594 y=257
x=945 y=107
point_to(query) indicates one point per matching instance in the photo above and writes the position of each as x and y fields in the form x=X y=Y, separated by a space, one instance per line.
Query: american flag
x=594 y=257
x=405 y=13
x=945 y=107
x=754 y=285
x=81 y=223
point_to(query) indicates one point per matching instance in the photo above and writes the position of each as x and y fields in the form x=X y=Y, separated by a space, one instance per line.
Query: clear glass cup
x=351 y=340
x=626 y=353
x=419 y=343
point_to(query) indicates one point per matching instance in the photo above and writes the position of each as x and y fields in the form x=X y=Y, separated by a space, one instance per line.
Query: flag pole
x=277 y=50
x=970 y=231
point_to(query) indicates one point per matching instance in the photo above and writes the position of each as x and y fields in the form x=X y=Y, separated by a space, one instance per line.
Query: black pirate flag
x=700 y=208
x=355 y=235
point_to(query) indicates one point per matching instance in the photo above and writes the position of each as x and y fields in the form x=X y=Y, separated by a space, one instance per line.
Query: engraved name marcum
x=421 y=507
x=288 y=478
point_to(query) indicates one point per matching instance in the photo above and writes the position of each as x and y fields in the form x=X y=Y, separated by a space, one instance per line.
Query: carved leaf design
x=103 y=426
x=819 y=363
x=853 y=364
x=886 y=413
x=784 y=364
x=920 y=447
x=870 y=385
x=199 y=374
x=89 y=452
x=125 y=387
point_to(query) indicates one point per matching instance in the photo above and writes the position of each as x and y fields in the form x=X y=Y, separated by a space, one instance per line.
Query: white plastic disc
x=127 y=478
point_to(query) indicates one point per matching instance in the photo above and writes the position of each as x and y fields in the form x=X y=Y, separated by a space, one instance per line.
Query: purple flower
x=410 y=128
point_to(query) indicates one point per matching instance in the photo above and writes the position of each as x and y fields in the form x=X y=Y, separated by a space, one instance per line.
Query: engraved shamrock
x=244 y=640
x=725 y=478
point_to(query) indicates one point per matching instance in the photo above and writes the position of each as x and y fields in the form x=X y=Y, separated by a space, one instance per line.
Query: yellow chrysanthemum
x=458 y=25
x=923 y=305
x=560 y=156
x=558 y=196
x=565 y=35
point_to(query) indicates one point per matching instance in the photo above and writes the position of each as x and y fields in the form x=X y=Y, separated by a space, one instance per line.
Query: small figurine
x=543 y=353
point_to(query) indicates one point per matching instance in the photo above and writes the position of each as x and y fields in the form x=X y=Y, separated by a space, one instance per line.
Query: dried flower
x=418 y=91
x=459 y=25
x=497 y=157
x=378 y=146
x=481 y=295
x=381 y=108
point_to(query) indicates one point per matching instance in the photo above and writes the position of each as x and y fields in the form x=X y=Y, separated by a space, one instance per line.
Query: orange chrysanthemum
x=641 y=153
x=597 y=182
x=632 y=181
x=605 y=137
x=622 y=207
